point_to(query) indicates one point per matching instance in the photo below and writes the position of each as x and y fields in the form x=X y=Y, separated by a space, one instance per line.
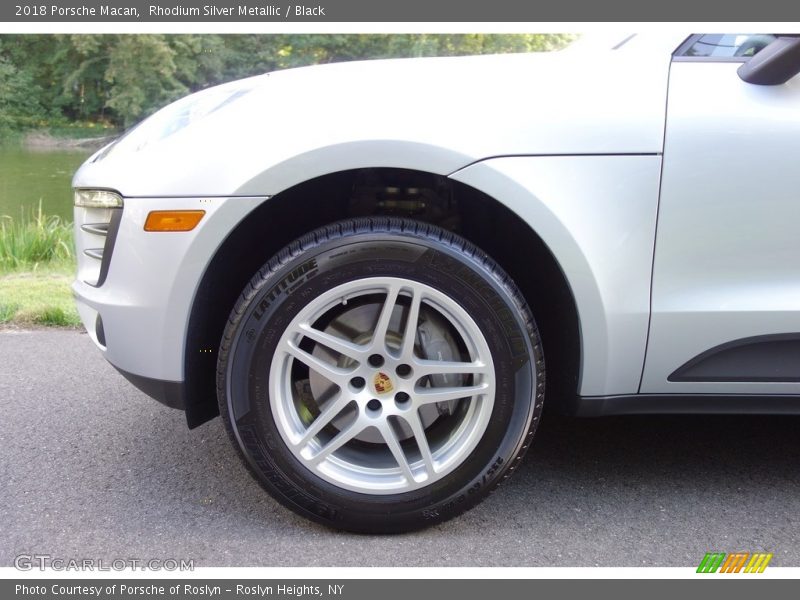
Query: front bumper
x=137 y=313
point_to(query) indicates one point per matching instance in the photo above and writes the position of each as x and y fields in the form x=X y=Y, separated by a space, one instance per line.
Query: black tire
x=346 y=252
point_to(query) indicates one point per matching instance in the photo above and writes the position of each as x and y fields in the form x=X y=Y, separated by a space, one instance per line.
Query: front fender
x=597 y=215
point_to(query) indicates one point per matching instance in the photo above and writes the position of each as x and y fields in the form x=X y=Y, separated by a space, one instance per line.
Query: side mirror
x=775 y=64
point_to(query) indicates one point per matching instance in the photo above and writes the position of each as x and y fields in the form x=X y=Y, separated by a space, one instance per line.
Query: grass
x=8 y=312
x=39 y=298
x=37 y=265
x=34 y=240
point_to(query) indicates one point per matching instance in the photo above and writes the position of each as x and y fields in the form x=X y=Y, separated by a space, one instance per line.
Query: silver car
x=367 y=269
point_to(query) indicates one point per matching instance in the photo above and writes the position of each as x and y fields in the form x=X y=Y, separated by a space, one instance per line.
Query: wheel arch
x=474 y=214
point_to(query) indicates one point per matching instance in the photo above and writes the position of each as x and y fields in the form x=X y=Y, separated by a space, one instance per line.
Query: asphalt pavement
x=92 y=468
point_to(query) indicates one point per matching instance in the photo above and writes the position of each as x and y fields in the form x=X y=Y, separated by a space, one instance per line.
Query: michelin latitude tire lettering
x=380 y=375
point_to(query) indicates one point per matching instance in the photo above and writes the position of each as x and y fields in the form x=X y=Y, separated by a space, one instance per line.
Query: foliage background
x=52 y=80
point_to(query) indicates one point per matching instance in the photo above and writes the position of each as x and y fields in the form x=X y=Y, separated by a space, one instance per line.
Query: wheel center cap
x=382 y=383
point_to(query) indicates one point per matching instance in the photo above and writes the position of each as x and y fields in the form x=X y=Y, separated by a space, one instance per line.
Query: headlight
x=174 y=117
x=97 y=199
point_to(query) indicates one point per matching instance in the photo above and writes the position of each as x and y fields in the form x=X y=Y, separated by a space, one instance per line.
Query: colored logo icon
x=383 y=383
x=737 y=562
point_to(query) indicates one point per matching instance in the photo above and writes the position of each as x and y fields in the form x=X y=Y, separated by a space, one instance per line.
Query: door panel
x=727 y=257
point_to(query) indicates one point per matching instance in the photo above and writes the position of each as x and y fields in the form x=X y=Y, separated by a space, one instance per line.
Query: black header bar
x=371 y=11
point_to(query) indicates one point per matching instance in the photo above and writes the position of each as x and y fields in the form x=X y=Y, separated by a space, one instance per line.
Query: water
x=28 y=176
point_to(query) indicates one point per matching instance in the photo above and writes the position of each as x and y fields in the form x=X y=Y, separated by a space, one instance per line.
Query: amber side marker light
x=173 y=220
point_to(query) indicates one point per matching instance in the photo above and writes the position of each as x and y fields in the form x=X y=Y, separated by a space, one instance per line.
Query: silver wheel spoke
x=397 y=451
x=410 y=333
x=341 y=438
x=343 y=347
x=415 y=423
x=379 y=336
x=440 y=367
x=443 y=394
x=335 y=406
x=332 y=373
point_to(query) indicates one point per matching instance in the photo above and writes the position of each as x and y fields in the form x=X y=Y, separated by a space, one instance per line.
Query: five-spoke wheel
x=381 y=375
x=385 y=383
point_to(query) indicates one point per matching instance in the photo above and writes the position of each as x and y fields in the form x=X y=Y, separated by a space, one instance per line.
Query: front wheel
x=381 y=375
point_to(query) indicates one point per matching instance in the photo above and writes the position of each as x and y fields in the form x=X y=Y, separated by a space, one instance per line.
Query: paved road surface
x=93 y=468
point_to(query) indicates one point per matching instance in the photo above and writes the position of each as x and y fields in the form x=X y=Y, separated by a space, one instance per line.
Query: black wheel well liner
x=276 y=222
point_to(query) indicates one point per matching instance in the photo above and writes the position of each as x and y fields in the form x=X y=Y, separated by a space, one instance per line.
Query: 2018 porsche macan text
x=364 y=268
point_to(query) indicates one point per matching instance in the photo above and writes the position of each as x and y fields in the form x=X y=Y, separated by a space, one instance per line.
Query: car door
x=726 y=275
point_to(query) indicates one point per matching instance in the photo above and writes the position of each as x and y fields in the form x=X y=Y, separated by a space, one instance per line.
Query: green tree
x=142 y=74
x=19 y=99
x=80 y=63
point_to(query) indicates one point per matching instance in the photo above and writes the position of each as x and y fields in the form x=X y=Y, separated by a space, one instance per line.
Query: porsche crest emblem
x=382 y=383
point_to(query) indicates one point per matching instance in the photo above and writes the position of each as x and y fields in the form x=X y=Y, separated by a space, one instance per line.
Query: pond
x=28 y=176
